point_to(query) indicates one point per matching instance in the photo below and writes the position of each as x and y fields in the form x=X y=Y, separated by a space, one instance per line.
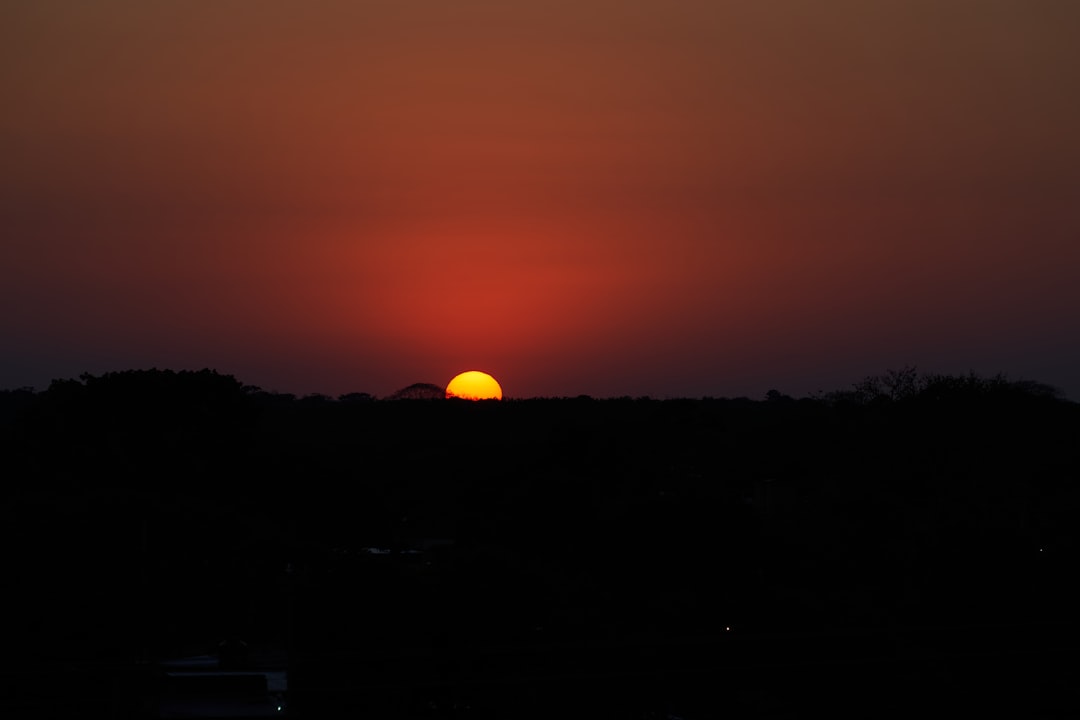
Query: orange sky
x=678 y=198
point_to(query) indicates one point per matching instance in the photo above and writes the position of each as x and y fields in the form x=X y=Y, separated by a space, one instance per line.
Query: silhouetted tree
x=419 y=391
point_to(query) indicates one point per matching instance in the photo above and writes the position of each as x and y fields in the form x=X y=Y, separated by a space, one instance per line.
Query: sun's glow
x=474 y=385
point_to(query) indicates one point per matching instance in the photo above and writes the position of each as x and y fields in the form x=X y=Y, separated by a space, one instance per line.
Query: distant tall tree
x=902 y=384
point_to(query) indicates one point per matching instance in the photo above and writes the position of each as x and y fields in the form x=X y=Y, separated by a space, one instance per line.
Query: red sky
x=679 y=198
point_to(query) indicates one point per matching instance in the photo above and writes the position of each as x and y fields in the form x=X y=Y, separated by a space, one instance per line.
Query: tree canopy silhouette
x=419 y=391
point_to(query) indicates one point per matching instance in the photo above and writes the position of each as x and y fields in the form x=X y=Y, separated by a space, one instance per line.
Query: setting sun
x=474 y=385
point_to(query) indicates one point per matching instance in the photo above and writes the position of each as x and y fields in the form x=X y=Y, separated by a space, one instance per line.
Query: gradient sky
x=612 y=197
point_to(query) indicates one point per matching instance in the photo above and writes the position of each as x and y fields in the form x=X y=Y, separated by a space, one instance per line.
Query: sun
x=474 y=385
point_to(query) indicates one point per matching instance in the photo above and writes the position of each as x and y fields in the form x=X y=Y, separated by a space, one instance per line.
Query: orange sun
x=474 y=385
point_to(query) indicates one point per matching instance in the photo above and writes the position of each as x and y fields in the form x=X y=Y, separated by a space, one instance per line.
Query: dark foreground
x=905 y=547
x=1019 y=671
x=1028 y=672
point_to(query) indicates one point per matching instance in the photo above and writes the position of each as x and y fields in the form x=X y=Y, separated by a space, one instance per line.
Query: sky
x=677 y=198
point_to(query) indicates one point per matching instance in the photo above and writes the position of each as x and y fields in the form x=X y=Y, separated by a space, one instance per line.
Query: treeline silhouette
x=155 y=512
